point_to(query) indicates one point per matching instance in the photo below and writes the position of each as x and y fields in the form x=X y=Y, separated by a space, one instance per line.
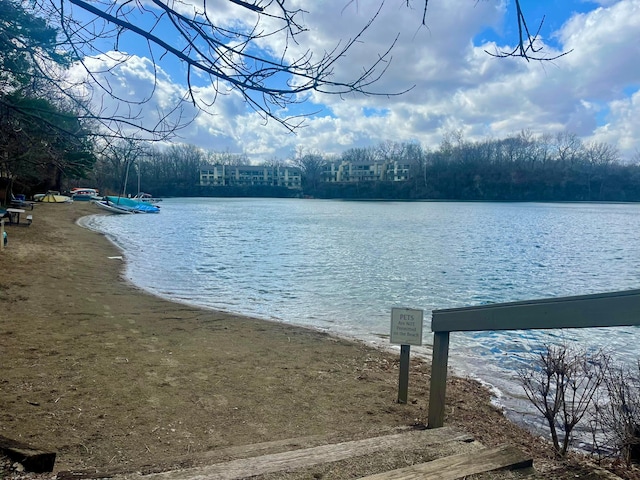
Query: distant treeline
x=524 y=167
x=521 y=168
x=619 y=183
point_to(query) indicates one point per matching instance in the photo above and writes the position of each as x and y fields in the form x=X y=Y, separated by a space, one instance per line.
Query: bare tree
x=311 y=165
x=114 y=165
x=561 y=385
x=601 y=154
x=388 y=150
x=274 y=162
x=359 y=154
x=568 y=148
x=227 y=158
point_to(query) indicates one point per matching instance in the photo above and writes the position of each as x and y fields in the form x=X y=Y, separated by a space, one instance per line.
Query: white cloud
x=605 y=46
x=622 y=128
x=593 y=91
x=130 y=88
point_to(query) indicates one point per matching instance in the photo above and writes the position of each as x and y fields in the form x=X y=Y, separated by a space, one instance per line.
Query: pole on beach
x=406 y=330
x=403 y=381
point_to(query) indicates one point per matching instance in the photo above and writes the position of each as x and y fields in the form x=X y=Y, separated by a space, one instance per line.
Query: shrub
x=616 y=422
x=561 y=385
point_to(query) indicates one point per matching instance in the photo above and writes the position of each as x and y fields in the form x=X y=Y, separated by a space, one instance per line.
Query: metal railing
x=614 y=309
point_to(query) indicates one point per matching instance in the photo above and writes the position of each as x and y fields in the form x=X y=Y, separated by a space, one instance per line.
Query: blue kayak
x=132 y=205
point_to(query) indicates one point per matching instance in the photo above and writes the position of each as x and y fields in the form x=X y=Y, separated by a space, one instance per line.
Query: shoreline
x=374 y=341
x=386 y=349
x=110 y=375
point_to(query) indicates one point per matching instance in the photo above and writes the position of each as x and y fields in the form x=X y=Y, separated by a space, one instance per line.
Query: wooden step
x=308 y=457
x=32 y=458
x=460 y=466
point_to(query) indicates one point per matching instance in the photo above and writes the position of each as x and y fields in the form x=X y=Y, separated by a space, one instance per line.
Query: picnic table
x=14 y=216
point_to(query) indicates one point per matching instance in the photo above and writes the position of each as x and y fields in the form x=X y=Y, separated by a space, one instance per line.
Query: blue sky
x=593 y=92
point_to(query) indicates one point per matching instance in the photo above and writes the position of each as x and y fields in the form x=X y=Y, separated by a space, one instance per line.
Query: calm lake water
x=341 y=266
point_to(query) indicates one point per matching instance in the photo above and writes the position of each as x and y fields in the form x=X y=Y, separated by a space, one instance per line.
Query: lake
x=341 y=266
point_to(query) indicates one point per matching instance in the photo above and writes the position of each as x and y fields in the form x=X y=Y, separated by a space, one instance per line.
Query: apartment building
x=247 y=175
x=365 y=171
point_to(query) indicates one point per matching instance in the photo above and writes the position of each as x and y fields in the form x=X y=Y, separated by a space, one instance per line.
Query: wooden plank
x=32 y=459
x=303 y=458
x=193 y=459
x=584 y=311
x=460 y=466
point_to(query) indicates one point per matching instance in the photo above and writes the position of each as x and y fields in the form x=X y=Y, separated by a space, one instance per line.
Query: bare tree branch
x=526 y=47
x=219 y=57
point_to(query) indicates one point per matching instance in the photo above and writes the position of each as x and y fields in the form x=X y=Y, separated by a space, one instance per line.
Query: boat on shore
x=141 y=203
x=85 y=194
x=127 y=205
x=52 y=197
x=109 y=207
x=146 y=198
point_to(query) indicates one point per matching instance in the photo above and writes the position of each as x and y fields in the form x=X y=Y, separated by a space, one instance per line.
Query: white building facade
x=366 y=171
x=250 y=175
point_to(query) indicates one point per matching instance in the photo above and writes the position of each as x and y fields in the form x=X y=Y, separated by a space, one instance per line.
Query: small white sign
x=406 y=326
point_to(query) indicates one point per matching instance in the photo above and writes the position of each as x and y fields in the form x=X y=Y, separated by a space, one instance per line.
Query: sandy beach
x=111 y=377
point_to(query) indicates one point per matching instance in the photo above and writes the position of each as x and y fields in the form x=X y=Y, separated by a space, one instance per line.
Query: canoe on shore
x=109 y=207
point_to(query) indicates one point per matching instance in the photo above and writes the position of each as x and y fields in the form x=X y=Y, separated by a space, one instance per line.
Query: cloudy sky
x=592 y=91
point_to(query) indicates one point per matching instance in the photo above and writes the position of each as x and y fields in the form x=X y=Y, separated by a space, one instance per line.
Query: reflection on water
x=342 y=266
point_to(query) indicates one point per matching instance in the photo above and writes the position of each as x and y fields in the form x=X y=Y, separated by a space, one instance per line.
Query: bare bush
x=561 y=385
x=616 y=422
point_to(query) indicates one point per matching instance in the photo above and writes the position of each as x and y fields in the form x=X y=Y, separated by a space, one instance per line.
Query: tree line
x=522 y=167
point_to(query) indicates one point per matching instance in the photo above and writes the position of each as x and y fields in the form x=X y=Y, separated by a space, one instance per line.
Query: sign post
x=406 y=330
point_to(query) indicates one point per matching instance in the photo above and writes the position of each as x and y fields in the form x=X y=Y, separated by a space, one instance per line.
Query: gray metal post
x=403 y=383
x=438 y=384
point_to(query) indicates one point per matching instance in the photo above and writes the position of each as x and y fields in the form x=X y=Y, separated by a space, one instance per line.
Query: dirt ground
x=110 y=377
